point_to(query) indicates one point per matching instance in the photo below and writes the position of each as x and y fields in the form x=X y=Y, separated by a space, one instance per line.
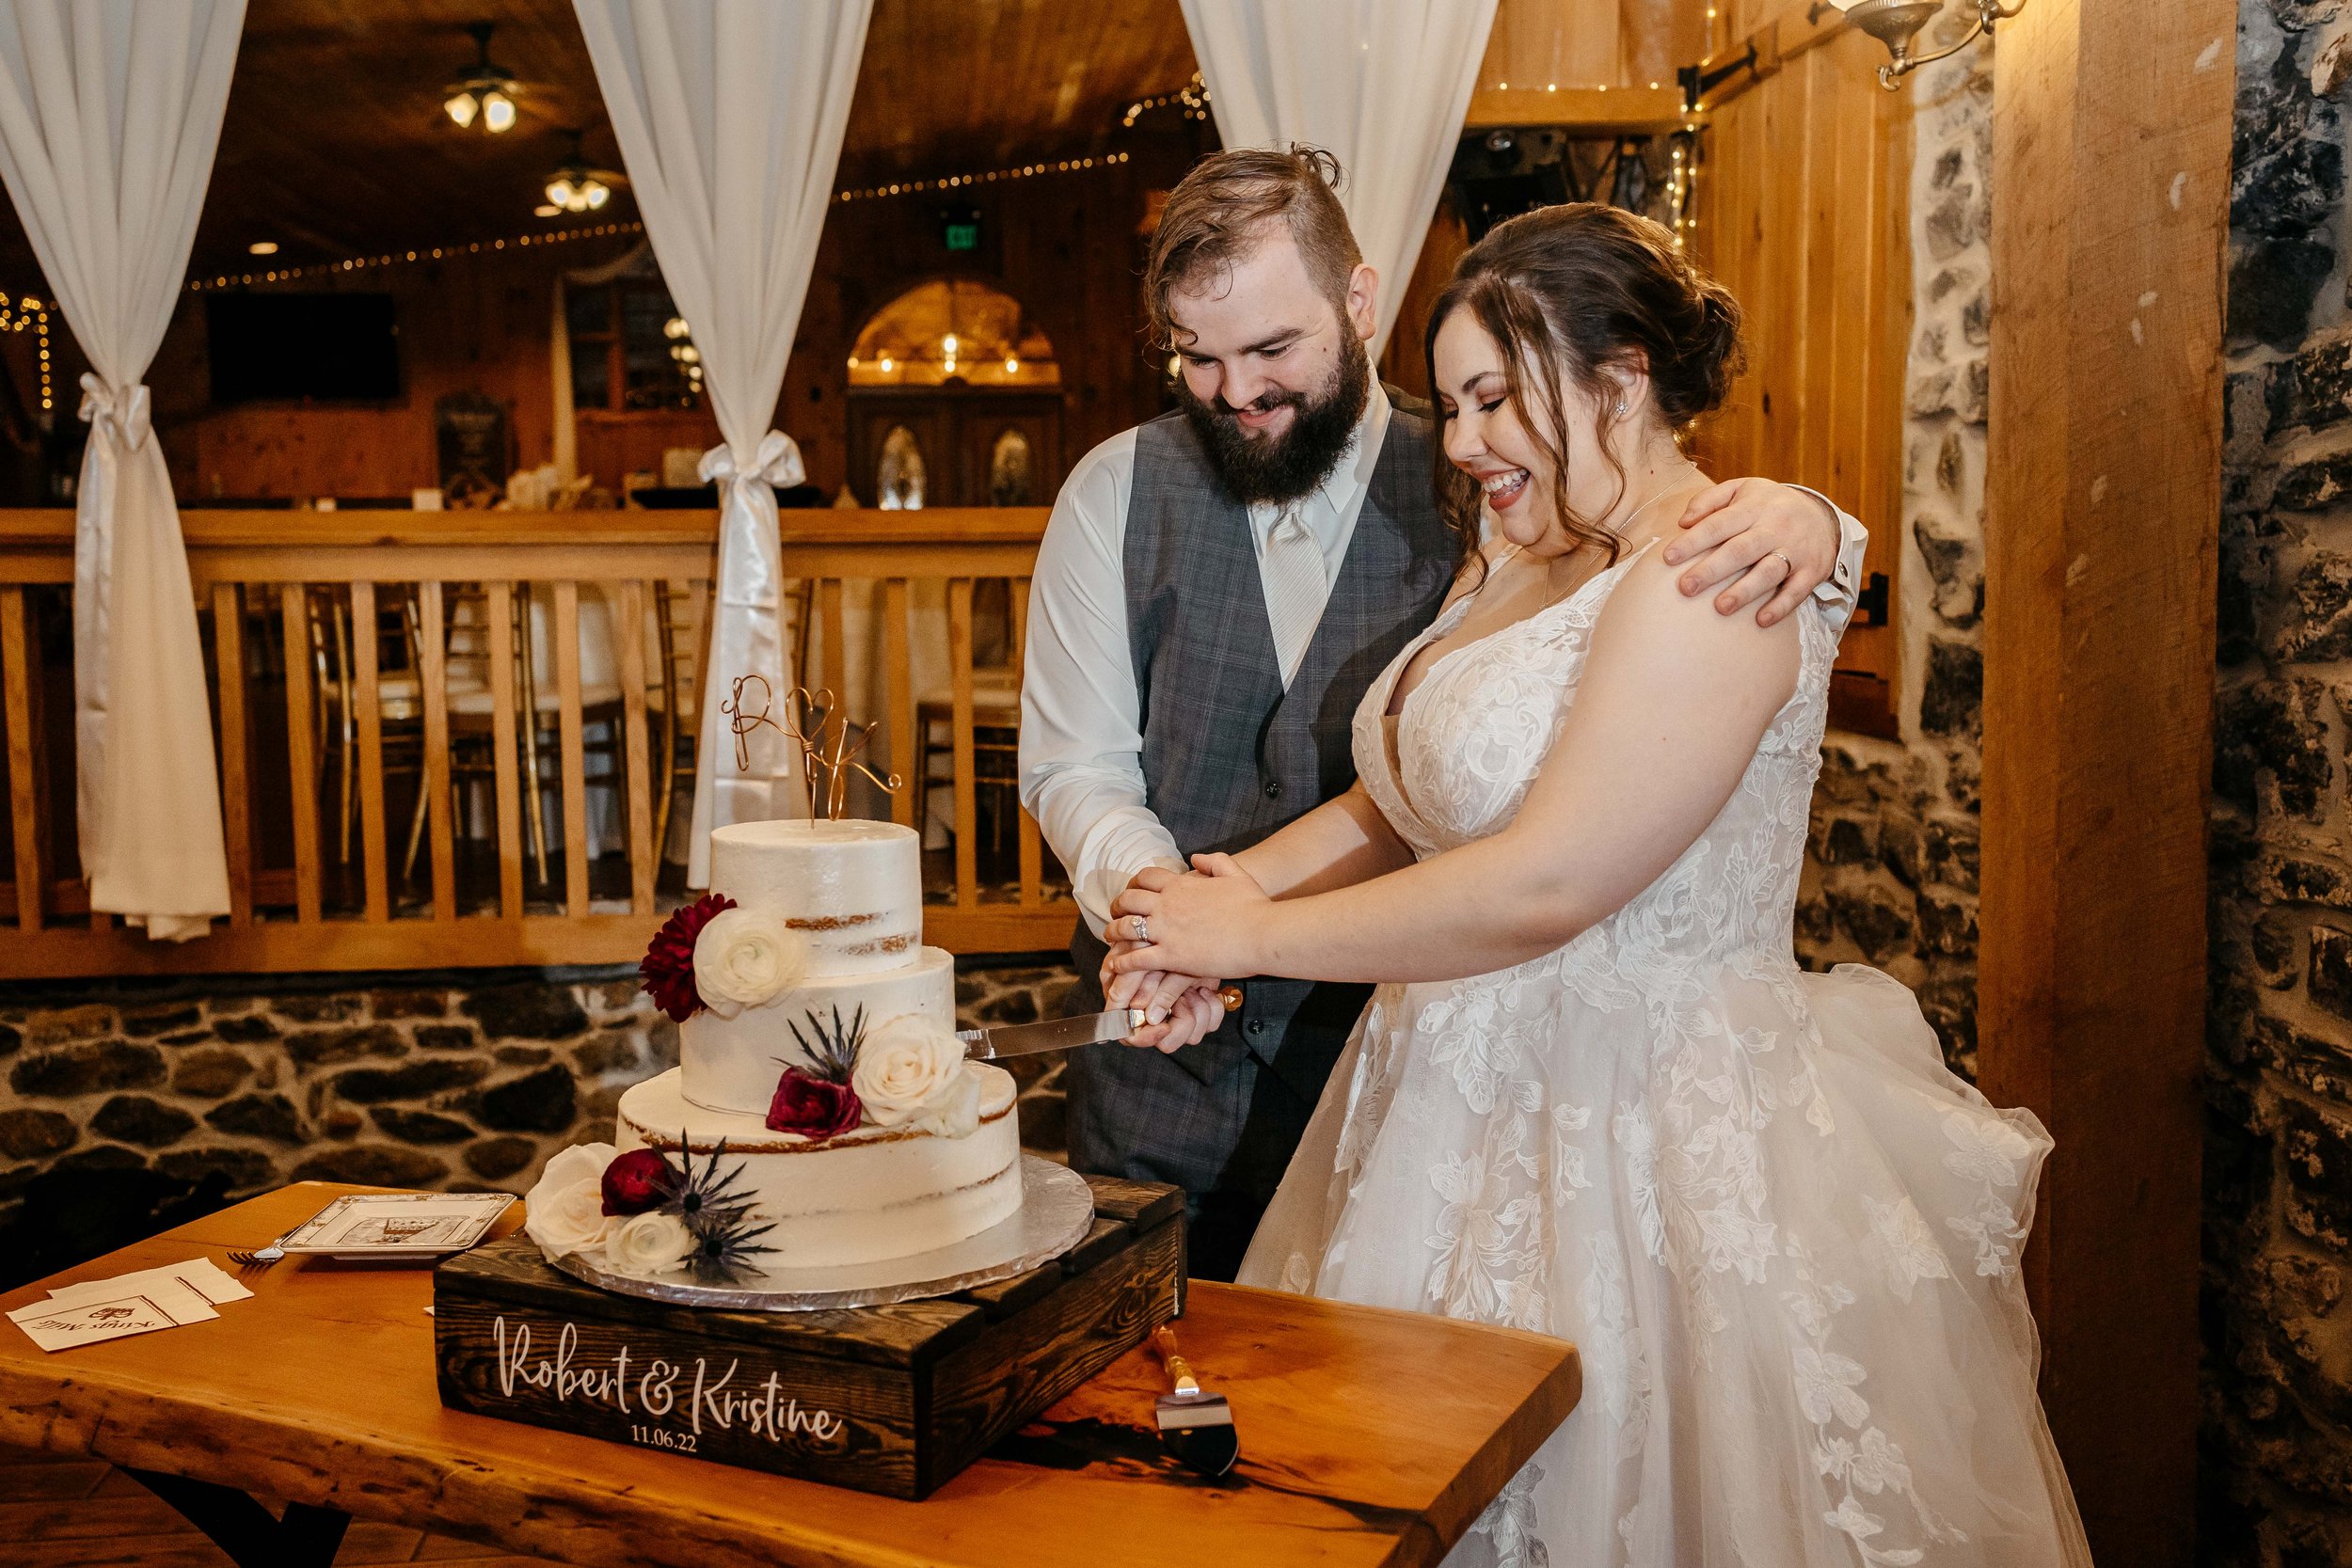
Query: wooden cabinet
x=977 y=446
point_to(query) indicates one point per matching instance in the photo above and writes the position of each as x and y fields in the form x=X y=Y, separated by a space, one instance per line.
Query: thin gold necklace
x=1620 y=529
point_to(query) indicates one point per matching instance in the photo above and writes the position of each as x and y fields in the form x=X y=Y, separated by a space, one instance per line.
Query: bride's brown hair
x=1584 y=287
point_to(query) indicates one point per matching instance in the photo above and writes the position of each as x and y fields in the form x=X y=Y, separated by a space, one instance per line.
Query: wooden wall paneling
x=1800 y=198
x=2109 y=237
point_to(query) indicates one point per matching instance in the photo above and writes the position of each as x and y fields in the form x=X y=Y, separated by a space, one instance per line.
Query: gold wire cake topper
x=808 y=722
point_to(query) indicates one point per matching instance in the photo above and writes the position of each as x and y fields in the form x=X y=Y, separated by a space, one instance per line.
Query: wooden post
x=2110 y=182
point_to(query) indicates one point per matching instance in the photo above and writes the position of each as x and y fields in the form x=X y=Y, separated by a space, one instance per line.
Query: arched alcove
x=953 y=331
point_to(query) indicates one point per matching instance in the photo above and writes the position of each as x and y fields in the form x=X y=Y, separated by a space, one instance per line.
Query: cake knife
x=1021 y=1039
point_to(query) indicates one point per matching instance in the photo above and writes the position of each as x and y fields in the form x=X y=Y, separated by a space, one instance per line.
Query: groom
x=1216 y=590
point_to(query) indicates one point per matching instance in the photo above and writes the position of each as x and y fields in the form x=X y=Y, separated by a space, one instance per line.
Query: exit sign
x=960 y=228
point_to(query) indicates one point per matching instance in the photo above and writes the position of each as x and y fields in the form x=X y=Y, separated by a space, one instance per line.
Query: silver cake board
x=1056 y=1211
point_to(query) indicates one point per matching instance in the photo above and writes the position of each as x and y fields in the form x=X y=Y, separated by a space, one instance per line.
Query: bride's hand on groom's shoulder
x=1207 y=922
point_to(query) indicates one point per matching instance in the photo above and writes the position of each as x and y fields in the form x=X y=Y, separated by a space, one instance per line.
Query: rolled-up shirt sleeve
x=1081 y=736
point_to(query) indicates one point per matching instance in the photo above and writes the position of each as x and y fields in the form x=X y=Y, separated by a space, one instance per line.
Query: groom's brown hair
x=1217 y=211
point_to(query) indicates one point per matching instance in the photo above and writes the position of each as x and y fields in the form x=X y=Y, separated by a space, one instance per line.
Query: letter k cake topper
x=823 y=737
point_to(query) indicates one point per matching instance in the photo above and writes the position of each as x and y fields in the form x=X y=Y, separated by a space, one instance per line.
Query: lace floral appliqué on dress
x=1782 y=1236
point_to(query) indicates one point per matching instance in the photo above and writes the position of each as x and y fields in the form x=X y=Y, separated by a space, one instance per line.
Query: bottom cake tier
x=872 y=1193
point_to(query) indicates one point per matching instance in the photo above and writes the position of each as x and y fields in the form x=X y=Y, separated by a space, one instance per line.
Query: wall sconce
x=485 y=91
x=1897 y=22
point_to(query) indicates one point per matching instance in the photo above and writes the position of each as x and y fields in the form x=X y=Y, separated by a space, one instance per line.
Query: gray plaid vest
x=1230 y=755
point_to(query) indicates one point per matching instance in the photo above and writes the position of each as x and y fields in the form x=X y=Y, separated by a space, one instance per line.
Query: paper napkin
x=89 y=1318
x=202 y=1274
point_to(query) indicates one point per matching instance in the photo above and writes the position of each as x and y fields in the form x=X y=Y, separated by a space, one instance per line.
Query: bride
x=1595 y=1096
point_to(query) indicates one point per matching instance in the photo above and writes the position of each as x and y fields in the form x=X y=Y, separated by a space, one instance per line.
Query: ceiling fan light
x=597 y=194
x=462 y=107
x=561 y=191
x=498 y=111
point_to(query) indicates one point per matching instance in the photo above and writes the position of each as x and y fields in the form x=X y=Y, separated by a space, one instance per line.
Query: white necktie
x=1291 y=571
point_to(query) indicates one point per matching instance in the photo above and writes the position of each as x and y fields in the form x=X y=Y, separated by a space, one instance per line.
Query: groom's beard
x=1281 y=468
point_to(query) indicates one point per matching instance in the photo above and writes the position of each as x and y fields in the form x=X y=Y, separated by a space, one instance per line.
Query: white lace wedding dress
x=1783 y=1235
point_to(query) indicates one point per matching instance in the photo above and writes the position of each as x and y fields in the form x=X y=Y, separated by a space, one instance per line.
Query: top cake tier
x=853 y=888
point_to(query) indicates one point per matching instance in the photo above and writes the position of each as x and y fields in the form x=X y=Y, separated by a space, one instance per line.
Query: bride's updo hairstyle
x=1572 y=291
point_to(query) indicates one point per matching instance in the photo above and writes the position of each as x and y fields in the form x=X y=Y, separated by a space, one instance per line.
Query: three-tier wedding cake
x=822 y=1112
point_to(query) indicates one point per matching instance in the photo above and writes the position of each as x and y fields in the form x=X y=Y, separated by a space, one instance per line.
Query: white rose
x=956 y=1113
x=744 y=958
x=568 y=1167
x=648 y=1245
x=905 y=1067
x=567 y=1219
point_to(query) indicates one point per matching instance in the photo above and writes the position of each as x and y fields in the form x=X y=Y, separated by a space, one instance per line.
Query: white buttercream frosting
x=872 y=1193
x=732 y=1064
x=855 y=889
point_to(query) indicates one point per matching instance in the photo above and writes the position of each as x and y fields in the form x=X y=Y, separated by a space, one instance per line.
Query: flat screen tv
x=325 y=348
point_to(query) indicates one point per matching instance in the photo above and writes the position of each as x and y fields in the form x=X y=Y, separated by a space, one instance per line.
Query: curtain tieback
x=777 y=461
x=121 y=412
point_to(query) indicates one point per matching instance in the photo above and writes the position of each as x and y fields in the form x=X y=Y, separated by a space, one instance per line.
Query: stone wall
x=2278 y=1429
x=1891 y=880
x=450 y=1080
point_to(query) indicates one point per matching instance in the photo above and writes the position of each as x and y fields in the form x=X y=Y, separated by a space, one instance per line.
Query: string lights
x=16 y=315
x=1193 y=95
x=401 y=258
x=986 y=177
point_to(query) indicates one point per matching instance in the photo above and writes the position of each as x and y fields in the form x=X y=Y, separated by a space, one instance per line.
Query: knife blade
x=1021 y=1039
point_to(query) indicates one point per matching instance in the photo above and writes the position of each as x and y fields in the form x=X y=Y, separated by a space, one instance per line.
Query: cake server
x=1197 y=1428
x=1021 y=1039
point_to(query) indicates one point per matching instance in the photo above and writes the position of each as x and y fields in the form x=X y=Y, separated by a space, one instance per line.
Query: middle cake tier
x=732 y=1064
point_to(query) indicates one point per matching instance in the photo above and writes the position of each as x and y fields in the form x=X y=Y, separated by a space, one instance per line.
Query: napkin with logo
x=96 y=1311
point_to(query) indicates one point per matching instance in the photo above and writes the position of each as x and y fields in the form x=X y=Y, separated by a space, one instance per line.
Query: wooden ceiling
x=335 y=143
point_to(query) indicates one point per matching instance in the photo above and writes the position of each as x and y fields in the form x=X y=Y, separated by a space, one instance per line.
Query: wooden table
x=1368 y=1437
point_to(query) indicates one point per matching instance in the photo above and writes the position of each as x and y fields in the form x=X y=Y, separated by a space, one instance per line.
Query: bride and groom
x=1432 y=704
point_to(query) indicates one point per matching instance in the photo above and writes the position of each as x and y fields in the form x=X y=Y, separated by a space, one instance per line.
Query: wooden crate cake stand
x=894 y=1400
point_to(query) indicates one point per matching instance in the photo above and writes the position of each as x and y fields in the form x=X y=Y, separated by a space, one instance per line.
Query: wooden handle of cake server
x=1179 y=1370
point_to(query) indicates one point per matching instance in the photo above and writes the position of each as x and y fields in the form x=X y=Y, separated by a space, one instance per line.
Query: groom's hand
x=1181 y=1008
x=1754 y=539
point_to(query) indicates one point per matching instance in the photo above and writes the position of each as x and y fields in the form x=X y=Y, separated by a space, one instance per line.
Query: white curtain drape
x=1383 y=85
x=109 y=115
x=729 y=114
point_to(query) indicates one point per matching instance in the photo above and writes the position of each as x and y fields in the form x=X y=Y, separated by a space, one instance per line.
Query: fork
x=259 y=1258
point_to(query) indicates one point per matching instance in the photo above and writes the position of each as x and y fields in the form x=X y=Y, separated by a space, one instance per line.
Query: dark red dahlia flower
x=813 y=1107
x=668 y=966
x=637 y=1181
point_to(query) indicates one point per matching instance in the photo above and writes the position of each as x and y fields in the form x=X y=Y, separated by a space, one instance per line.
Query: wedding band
x=1789 y=566
x=1141 y=929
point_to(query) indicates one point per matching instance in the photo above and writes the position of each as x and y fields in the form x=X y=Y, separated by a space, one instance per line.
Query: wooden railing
x=407 y=705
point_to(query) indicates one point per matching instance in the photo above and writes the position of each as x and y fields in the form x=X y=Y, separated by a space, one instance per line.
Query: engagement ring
x=1142 y=930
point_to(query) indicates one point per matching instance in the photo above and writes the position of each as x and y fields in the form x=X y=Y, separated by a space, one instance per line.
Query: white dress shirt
x=1081 y=722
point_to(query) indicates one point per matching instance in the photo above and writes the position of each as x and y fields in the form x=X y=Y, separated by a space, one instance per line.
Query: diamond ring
x=1142 y=930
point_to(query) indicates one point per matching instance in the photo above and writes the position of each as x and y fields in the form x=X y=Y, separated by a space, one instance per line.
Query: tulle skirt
x=1783 y=1235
